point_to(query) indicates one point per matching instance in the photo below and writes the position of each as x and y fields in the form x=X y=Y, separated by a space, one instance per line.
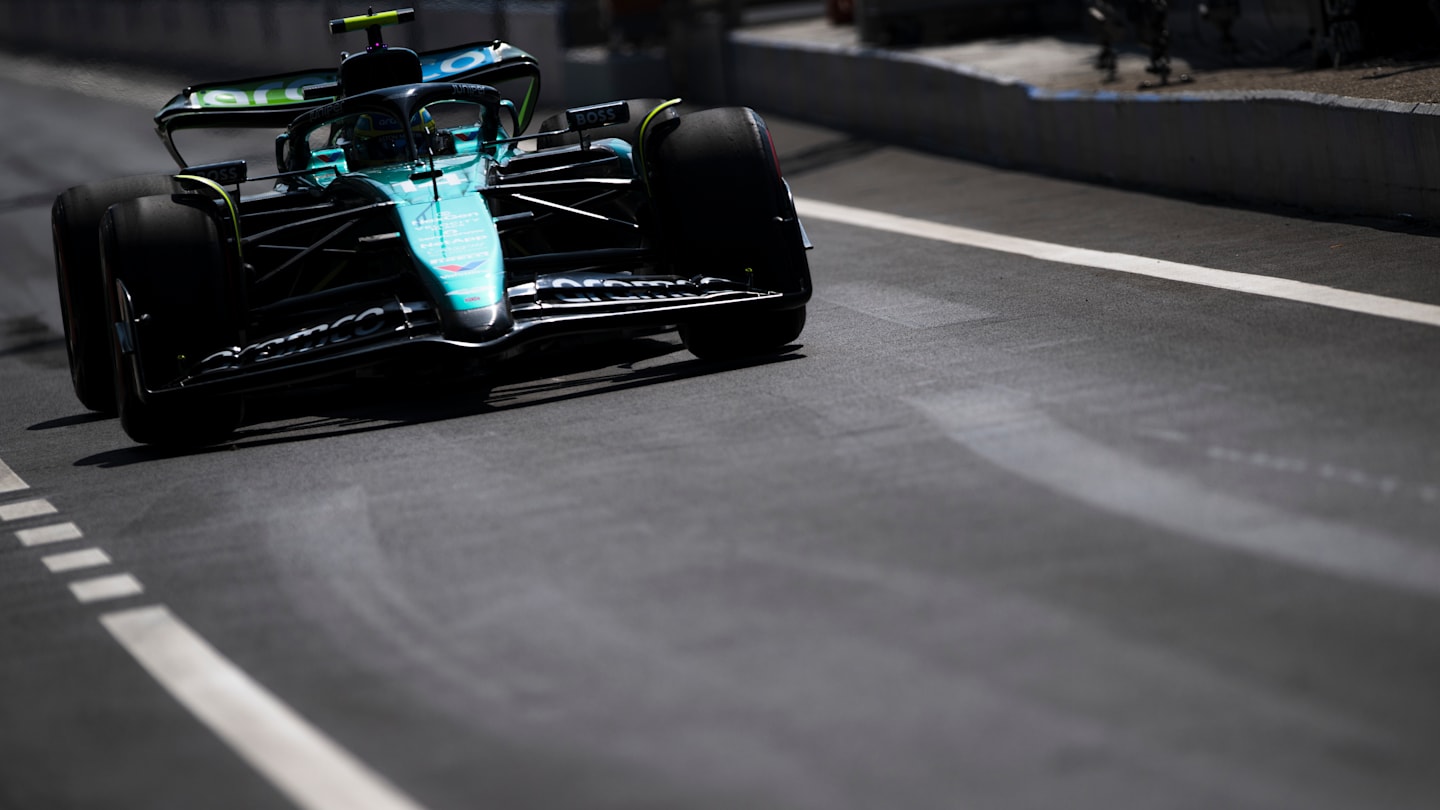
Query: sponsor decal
x=228 y=174
x=289 y=90
x=439 y=66
x=285 y=90
x=595 y=289
x=449 y=179
x=456 y=239
x=348 y=327
x=598 y=115
x=464 y=268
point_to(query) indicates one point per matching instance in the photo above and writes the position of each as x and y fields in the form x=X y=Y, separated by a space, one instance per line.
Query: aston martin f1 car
x=410 y=216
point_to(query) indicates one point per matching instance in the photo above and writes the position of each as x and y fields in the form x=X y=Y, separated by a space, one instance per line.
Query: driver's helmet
x=377 y=138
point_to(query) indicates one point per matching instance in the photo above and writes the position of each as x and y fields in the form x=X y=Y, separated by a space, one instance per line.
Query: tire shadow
x=566 y=373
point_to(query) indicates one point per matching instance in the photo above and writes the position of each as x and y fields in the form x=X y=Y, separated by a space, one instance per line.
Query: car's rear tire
x=75 y=225
x=167 y=277
x=726 y=213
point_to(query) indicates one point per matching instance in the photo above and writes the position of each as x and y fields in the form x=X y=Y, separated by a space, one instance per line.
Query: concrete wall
x=221 y=39
x=1317 y=152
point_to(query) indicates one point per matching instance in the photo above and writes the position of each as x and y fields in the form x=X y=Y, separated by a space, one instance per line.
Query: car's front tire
x=166 y=273
x=726 y=213
x=736 y=338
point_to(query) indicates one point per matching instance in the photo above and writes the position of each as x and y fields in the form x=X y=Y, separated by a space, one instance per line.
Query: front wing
x=384 y=331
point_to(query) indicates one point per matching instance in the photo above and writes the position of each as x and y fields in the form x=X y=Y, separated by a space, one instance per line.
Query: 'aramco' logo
x=268 y=94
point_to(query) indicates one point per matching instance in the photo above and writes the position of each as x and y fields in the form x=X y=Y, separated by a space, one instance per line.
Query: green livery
x=415 y=222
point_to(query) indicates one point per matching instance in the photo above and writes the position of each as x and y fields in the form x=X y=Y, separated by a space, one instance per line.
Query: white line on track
x=75 y=560
x=1365 y=303
x=99 y=589
x=310 y=768
x=300 y=760
x=9 y=481
x=44 y=535
x=26 y=509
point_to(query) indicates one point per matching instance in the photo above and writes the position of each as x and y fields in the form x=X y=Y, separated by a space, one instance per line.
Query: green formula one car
x=409 y=215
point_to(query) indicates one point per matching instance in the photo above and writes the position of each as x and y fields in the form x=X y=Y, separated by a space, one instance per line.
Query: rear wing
x=272 y=102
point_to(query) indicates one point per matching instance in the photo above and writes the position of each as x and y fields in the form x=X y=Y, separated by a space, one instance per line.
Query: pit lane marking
x=307 y=766
x=75 y=560
x=26 y=509
x=9 y=481
x=1253 y=284
x=114 y=586
x=302 y=762
x=45 y=535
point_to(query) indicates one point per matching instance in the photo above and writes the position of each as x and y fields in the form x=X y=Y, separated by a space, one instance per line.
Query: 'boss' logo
x=224 y=175
x=599 y=115
x=231 y=173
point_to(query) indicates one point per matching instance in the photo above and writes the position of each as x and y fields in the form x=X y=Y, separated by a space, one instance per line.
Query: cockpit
x=399 y=127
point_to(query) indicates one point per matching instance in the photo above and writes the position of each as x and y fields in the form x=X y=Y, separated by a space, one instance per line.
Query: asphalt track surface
x=1001 y=532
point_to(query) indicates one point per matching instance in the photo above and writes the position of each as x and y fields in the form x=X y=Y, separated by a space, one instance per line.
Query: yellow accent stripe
x=526 y=108
x=364 y=21
x=644 y=125
x=224 y=195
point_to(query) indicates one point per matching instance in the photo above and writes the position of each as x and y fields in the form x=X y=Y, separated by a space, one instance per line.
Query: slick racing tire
x=732 y=339
x=166 y=274
x=725 y=212
x=75 y=224
x=640 y=108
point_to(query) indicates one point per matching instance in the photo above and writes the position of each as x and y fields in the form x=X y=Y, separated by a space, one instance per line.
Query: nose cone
x=480 y=324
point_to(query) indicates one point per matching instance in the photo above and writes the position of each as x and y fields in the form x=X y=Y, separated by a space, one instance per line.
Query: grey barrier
x=1322 y=153
x=221 y=39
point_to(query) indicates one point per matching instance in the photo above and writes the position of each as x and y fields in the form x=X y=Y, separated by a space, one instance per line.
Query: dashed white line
x=9 y=481
x=43 y=535
x=99 y=589
x=303 y=763
x=75 y=560
x=309 y=767
x=26 y=509
x=1269 y=286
